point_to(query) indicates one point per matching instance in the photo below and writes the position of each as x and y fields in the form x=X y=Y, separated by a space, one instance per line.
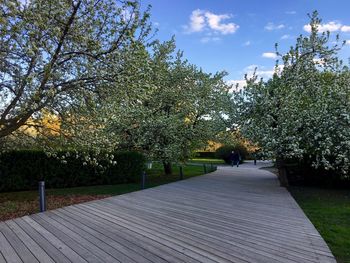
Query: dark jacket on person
x=234 y=157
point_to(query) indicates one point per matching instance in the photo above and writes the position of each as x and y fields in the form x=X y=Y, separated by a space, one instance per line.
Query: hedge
x=21 y=170
x=302 y=172
x=205 y=155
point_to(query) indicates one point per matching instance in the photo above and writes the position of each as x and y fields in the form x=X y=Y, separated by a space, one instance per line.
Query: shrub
x=224 y=152
x=128 y=169
x=301 y=172
x=21 y=170
x=206 y=154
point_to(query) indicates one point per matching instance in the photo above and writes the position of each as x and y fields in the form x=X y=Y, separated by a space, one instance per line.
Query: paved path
x=232 y=215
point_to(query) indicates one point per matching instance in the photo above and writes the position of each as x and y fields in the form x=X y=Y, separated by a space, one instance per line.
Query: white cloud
x=291 y=12
x=197 y=21
x=331 y=26
x=201 y=20
x=286 y=36
x=250 y=67
x=307 y=28
x=345 y=29
x=269 y=55
x=271 y=26
x=261 y=71
x=247 y=43
x=214 y=22
x=210 y=39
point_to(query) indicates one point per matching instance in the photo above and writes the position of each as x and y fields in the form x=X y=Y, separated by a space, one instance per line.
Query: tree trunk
x=282 y=172
x=167 y=168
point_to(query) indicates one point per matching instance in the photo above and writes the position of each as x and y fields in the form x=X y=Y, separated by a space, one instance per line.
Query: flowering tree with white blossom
x=58 y=55
x=171 y=109
x=303 y=112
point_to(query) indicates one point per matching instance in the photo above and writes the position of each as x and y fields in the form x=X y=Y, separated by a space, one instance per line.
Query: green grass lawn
x=206 y=160
x=15 y=204
x=329 y=211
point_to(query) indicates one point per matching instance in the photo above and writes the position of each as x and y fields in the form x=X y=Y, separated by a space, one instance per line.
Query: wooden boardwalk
x=232 y=215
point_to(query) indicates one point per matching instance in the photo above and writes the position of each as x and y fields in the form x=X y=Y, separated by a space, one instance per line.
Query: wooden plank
x=182 y=200
x=39 y=253
x=159 y=249
x=2 y=259
x=67 y=240
x=91 y=234
x=55 y=253
x=211 y=201
x=188 y=218
x=218 y=218
x=204 y=240
x=160 y=243
x=175 y=198
x=84 y=240
x=7 y=250
x=166 y=235
x=133 y=255
x=21 y=250
x=233 y=252
x=51 y=238
x=185 y=228
x=233 y=215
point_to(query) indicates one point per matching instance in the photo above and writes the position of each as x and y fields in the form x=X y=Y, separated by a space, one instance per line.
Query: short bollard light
x=205 y=168
x=149 y=165
x=181 y=173
x=143 y=180
x=42 y=199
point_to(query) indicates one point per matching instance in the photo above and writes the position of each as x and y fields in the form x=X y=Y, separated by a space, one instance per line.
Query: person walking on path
x=234 y=158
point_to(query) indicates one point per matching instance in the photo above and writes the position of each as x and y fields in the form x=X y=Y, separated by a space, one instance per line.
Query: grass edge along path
x=329 y=212
x=17 y=204
x=206 y=161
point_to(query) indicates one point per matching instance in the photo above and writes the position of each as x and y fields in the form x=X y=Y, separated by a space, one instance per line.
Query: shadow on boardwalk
x=231 y=215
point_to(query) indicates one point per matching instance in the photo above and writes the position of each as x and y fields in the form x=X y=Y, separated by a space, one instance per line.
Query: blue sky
x=236 y=36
